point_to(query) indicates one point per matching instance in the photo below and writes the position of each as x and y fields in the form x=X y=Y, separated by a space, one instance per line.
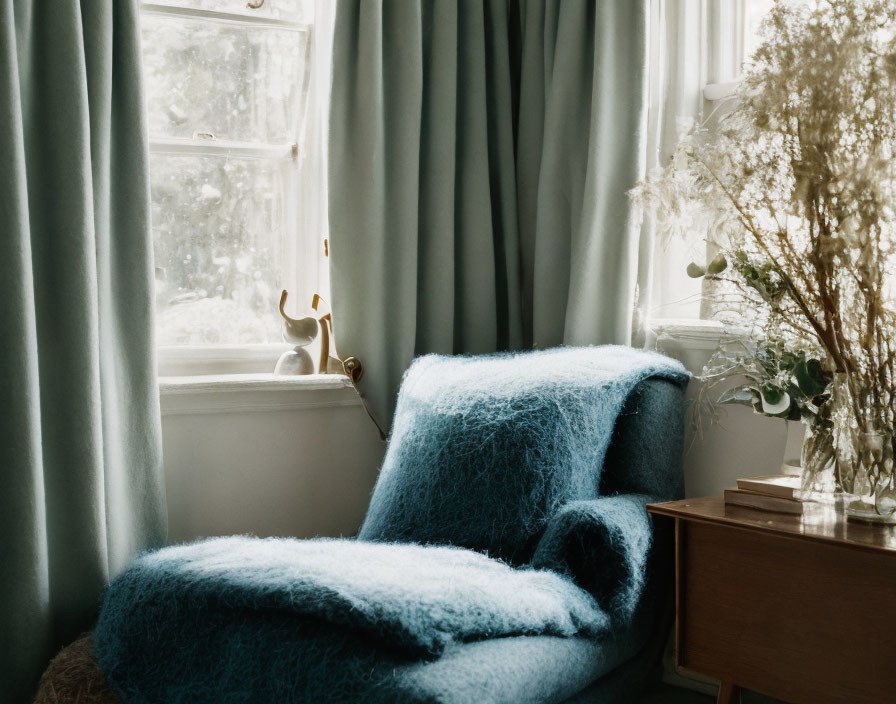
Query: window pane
x=218 y=226
x=234 y=81
x=754 y=12
x=293 y=10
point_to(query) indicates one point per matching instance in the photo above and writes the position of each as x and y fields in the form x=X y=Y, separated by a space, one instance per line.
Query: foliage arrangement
x=774 y=381
x=797 y=186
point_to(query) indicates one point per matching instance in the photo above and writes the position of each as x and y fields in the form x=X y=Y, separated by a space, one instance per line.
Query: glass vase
x=818 y=476
x=865 y=473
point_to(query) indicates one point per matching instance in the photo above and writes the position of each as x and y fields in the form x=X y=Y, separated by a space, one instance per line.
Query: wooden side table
x=800 y=608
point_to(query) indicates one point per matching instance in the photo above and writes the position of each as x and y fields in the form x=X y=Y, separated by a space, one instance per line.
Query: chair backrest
x=485 y=450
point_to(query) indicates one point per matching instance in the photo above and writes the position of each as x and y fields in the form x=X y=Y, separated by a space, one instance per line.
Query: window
x=697 y=51
x=694 y=46
x=233 y=107
x=754 y=12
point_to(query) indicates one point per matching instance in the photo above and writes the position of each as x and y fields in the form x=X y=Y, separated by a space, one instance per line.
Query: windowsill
x=690 y=340
x=721 y=91
x=192 y=361
x=205 y=383
x=695 y=330
x=247 y=393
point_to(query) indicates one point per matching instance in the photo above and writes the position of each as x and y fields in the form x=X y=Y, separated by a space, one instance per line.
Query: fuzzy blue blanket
x=227 y=613
x=415 y=598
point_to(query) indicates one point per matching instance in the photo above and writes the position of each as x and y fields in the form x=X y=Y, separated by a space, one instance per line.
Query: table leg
x=729 y=693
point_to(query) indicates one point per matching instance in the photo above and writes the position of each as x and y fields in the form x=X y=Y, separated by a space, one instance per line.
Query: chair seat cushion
x=484 y=450
x=519 y=670
x=265 y=615
x=526 y=670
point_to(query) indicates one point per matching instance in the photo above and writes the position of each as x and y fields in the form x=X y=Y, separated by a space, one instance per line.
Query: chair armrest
x=603 y=545
x=645 y=455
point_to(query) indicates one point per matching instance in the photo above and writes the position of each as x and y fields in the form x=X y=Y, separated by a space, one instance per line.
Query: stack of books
x=775 y=492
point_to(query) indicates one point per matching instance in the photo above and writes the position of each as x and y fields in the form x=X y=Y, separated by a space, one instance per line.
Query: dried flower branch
x=798 y=188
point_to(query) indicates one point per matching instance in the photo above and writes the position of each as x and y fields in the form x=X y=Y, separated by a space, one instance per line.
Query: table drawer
x=796 y=619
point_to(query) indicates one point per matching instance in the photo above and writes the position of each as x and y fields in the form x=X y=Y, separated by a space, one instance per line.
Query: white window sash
x=303 y=172
x=222 y=16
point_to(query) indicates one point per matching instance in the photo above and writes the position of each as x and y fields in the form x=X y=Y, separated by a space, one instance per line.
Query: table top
x=819 y=522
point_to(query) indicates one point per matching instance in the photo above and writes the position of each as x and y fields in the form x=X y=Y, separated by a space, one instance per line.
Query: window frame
x=303 y=172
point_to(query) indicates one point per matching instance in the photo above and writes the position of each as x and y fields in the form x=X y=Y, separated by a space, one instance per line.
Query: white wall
x=742 y=444
x=267 y=457
x=273 y=456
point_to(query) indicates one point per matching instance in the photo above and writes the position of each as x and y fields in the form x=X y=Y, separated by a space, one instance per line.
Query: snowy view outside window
x=226 y=91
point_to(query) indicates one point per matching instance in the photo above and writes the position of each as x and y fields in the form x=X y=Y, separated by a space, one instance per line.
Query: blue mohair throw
x=485 y=450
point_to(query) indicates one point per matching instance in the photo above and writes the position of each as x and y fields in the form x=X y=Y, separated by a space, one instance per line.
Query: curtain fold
x=479 y=158
x=80 y=450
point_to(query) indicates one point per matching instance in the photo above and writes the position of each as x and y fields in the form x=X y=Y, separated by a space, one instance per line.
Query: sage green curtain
x=480 y=152
x=80 y=457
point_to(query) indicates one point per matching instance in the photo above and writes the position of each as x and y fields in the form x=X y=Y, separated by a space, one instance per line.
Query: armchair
x=506 y=555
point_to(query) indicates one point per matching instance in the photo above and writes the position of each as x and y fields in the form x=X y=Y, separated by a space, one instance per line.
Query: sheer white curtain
x=314 y=173
x=693 y=44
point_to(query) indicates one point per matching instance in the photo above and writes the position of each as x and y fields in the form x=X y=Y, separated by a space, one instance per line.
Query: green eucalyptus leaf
x=821 y=399
x=718 y=264
x=775 y=401
x=743 y=395
x=768 y=360
x=789 y=361
x=772 y=394
x=810 y=377
x=695 y=271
